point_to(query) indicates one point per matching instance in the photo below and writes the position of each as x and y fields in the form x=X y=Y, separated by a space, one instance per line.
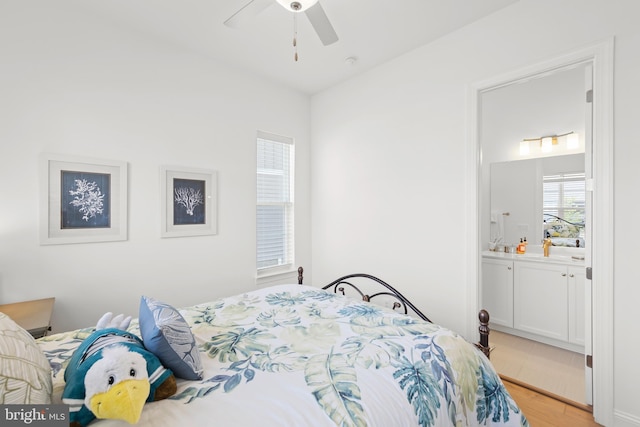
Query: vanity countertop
x=535 y=257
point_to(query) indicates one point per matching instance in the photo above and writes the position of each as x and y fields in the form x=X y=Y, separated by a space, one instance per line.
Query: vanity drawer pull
x=564 y=274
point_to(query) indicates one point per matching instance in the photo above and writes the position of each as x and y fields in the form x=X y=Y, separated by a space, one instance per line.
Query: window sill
x=286 y=275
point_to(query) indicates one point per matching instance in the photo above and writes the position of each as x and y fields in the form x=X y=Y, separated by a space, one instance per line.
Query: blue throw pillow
x=166 y=334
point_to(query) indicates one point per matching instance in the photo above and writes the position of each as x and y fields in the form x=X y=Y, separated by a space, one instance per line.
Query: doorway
x=601 y=58
x=527 y=195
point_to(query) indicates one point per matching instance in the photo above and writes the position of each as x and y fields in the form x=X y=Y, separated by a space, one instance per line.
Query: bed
x=297 y=355
x=562 y=232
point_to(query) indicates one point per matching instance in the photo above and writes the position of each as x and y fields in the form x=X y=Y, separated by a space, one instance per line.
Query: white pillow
x=25 y=373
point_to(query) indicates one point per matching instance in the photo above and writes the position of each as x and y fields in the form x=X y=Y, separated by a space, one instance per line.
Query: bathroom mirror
x=538 y=198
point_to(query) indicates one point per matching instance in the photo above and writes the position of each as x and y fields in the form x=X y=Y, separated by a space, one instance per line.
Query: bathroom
x=534 y=248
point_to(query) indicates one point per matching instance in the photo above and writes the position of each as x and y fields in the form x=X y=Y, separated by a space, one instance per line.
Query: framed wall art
x=82 y=200
x=189 y=201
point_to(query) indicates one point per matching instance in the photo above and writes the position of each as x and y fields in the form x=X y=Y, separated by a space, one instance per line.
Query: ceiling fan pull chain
x=295 y=37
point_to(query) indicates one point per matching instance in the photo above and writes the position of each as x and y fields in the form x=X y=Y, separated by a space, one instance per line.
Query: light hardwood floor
x=544 y=411
x=557 y=371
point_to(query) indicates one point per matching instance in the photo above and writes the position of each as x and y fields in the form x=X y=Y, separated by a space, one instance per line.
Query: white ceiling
x=372 y=31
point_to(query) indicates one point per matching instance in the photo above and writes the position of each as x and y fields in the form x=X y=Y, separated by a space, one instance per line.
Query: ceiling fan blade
x=321 y=24
x=249 y=10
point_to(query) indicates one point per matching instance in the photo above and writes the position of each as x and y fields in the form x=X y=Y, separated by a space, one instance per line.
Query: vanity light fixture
x=546 y=143
x=573 y=141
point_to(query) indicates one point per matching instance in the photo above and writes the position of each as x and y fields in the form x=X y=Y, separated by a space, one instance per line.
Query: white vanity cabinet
x=497 y=290
x=541 y=299
x=579 y=302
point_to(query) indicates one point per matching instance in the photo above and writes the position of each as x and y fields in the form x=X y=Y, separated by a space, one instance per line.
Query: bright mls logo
x=35 y=415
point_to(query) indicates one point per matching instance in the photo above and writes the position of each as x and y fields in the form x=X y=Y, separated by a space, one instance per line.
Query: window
x=563 y=200
x=275 y=208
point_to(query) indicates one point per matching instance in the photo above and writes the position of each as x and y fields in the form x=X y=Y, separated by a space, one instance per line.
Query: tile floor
x=549 y=368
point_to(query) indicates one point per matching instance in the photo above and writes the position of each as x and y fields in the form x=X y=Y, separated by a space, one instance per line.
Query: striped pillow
x=25 y=373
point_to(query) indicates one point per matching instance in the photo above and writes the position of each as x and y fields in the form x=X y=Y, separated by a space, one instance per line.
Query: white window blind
x=564 y=197
x=275 y=205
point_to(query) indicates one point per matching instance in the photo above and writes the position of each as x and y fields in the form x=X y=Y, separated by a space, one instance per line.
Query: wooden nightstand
x=34 y=315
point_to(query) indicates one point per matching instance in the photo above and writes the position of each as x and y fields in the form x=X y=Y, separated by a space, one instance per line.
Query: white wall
x=73 y=84
x=553 y=104
x=388 y=194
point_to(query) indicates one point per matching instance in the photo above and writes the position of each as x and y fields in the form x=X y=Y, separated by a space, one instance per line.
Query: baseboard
x=576 y=348
x=622 y=419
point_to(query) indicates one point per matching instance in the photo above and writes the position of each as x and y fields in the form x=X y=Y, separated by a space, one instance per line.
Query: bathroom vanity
x=536 y=297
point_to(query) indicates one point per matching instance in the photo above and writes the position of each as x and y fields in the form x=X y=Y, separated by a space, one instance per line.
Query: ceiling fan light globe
x=304 y=4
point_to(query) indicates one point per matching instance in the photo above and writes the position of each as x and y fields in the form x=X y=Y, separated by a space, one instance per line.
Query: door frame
x=600 y=55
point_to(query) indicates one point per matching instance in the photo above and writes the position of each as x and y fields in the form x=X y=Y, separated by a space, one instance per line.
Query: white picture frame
x=82 y=200
x=189 y=201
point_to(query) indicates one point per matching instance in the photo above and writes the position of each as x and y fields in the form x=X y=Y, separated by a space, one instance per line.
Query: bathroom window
x=275 y=207
x=563 y=205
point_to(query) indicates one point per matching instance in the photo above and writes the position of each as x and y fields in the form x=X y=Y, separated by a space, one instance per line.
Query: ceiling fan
x=312 y=8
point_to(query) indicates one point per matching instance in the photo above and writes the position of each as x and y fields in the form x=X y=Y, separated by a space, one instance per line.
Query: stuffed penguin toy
x=111 y=376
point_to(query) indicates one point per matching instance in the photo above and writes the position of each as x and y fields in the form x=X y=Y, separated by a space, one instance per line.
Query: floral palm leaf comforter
x=294 y=355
